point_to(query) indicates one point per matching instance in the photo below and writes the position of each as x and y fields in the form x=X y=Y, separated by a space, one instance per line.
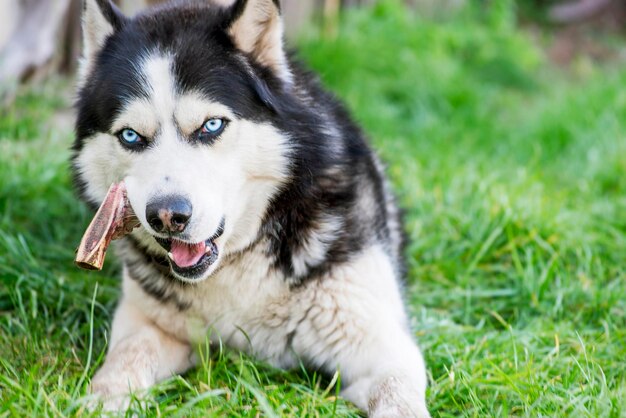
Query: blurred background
x=39 y=37
x=503 y=126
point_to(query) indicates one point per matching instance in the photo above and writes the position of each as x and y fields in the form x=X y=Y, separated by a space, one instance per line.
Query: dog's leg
x=140 y=354
x=354 y=320
x=387 y=378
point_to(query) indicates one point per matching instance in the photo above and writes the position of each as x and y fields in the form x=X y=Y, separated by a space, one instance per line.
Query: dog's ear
x=100 y=19
x=256 y=28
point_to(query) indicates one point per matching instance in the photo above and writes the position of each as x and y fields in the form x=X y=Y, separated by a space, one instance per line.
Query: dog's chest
x=247 y=303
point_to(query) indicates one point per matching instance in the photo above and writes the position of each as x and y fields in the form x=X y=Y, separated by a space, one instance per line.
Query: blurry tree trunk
x=39 y=37
x=569 y=12
x=612 y=12
x=41 y=27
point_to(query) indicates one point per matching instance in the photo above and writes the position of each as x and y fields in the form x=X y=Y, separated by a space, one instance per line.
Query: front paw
x=110 y=390
x=394 y=398
x=396 y=411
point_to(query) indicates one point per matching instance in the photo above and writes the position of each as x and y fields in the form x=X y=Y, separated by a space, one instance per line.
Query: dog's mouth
x=192 y=260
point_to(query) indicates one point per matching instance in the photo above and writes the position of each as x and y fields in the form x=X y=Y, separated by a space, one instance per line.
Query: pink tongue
x=187 y=255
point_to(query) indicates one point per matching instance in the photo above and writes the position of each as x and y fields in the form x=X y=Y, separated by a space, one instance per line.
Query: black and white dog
x=266 y=220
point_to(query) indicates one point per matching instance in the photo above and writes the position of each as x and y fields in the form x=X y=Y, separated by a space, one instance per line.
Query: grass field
x=513 y=176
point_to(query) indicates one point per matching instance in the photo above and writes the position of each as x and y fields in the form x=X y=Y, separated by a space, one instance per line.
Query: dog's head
x=180 y=104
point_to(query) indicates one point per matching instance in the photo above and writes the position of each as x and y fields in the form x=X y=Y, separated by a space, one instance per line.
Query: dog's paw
x=393 y=398
x=116 y=404
x=395 y=411
x=119 y=403
x=111 y=392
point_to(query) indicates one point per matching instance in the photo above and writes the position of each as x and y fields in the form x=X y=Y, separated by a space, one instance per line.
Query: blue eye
x=130 y=137
x=213 y=126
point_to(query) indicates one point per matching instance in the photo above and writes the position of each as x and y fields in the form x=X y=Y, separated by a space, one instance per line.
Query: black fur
x=333 y=169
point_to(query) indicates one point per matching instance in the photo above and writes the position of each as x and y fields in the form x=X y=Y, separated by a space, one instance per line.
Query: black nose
x=169 y=214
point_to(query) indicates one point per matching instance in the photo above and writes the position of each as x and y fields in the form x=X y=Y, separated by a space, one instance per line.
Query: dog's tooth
x=170 y=256
x=208 y=249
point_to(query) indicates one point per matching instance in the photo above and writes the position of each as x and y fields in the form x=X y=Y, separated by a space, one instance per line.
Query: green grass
x=513 y=177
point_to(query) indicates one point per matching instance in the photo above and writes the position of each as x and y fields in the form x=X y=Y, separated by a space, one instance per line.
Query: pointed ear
x=100 y=19
x=256 y=28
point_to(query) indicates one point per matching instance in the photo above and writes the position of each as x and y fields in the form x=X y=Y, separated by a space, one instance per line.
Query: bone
x=114 y=219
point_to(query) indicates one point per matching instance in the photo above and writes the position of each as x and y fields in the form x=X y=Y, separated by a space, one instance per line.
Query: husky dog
x=266 y=219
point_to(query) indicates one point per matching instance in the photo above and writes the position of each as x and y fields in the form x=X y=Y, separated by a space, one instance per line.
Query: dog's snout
x=169 y=214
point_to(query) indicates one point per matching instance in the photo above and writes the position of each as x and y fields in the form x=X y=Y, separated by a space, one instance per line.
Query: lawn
x=512 y=173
